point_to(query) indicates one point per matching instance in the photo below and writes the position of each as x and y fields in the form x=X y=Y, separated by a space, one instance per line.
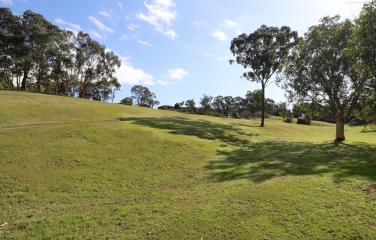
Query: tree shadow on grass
x=262 y=161
x=225 y=133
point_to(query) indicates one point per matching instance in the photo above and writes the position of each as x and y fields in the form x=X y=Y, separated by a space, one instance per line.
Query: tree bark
x=263 y=106
x=340 y=126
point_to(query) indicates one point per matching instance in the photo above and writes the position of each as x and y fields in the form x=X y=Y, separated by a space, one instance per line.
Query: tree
x=219 y=105
x=263 y=53
x=364 y=40
x=127 y=101
x=320 y=71
x=190 y=104
x=95 y=68
x=143 y=96
x=255 y=102
x=205 y=103
x=11 y=49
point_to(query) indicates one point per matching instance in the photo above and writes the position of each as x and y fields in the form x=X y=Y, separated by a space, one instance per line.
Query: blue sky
x=180 y=48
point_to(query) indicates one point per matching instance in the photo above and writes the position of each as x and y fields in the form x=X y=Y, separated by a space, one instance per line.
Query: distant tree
x=319 y=71
x=263 y=52
x=143 y=96
x=219 y=105
x=255 y=102
x=190 y=104
x=237 y=107
x=205 y=103
x=127 y=101
x=178 y=105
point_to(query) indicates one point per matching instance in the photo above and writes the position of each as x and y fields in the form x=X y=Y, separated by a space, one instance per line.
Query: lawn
x=78 y=169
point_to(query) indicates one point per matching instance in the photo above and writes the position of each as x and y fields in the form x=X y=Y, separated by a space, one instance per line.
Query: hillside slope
x=78 y=169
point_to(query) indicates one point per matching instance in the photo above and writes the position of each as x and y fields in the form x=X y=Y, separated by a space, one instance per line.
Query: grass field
x=77 y=169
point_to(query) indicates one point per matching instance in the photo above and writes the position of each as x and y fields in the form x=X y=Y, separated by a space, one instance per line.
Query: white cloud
x=75 y=28
x=104 y=13
x=133 y=26
x=96 y=34
x=145 y=43
x=9 y=2
x=100 y=25
x=161 y=14
x=219 y=35
x=128 y=74
x=177 y=73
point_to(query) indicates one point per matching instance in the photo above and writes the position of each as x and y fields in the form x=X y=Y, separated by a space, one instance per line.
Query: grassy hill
x=77 y=169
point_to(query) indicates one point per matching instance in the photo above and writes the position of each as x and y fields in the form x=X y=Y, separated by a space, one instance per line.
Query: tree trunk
x=24 y=79
x=340 y=127
x=263 y=106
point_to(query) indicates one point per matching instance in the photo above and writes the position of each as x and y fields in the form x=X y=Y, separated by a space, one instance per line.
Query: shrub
x=304 y=119
x=289 y=117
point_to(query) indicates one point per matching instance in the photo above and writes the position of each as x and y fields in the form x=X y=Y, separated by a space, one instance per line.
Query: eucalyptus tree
x=320 y=71
x=262 y=54
x=11 y=49
x=219 y=105
x=205 y=103
x=95 y=67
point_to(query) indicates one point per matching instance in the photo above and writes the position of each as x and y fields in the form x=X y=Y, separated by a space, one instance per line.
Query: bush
x=357 y=121
x=304 y=119
x=289 y=117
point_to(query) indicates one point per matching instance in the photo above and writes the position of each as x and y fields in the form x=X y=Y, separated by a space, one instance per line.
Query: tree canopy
x=319 y=70
x=39 y=56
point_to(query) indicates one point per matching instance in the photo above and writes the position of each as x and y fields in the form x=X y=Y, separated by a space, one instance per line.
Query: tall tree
x=363 y=44
x=263 y=53
x=95 y=67
x=320 y=71
x=11 y=49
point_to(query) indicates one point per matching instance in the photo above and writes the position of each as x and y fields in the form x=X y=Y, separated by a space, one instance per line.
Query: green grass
x=77 y=169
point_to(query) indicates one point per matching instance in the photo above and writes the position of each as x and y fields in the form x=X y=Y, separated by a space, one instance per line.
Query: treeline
x=38 y=56
x=249 y=106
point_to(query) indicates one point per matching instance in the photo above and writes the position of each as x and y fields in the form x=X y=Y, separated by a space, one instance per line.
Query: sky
x=180 y=48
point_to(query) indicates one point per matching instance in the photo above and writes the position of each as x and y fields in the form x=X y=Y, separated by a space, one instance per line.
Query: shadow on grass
x=262 y=161
x=225 y=133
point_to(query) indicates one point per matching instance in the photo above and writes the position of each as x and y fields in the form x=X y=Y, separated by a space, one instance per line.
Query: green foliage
x=143 y=96
x=288 y=117
x=190 y=105
x=364 y=40
x=127 y=101
x=321 y=72
x=205 y=103
x=38 y=56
